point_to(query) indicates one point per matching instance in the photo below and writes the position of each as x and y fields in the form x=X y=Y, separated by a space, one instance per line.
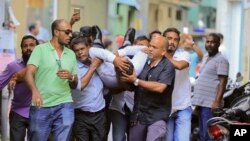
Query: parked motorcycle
x=218 y=127
x=234 y=91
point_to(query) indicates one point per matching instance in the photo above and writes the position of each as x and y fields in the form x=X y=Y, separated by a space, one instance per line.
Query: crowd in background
x=74 y=86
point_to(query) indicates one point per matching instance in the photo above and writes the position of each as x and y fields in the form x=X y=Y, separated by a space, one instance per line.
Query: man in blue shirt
x=90 y=119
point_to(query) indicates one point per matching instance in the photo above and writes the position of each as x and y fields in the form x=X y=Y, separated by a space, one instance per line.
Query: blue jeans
x=179 y=125
x=58 y=120
x=120 y=124
x=204 y=114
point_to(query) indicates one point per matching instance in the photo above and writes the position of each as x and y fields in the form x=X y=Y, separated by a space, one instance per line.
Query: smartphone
x=77 y=10
x=185 y=30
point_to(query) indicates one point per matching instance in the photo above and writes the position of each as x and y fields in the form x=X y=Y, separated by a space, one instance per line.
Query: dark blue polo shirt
x=151 y=106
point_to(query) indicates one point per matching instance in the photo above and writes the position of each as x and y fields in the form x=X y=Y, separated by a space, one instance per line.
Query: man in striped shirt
x=210 y=85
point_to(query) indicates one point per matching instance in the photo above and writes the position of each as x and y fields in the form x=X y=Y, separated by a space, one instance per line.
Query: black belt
x=87 y=112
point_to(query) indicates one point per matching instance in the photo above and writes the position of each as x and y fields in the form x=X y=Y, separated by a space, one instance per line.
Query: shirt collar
x=81 y=65
x=20 y=61
x=65 y=49
x=149 y=61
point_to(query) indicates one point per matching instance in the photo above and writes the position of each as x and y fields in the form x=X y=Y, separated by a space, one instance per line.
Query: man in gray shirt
x=211 y=83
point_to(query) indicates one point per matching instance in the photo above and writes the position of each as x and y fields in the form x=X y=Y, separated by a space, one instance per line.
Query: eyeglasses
x=67 y=32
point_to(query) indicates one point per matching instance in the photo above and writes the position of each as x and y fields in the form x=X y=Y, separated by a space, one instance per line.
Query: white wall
x=2 y=5
x=228 y=22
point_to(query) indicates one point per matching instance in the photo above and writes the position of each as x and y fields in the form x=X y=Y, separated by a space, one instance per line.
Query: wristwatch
x=72 y=78
x=136 y=82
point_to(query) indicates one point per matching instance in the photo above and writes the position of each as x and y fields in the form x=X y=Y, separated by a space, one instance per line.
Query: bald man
x=153 y=94
x=50 y=75
x=154 y=85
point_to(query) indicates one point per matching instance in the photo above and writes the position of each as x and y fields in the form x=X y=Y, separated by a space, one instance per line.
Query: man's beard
x=26 y=58
x=171 y=50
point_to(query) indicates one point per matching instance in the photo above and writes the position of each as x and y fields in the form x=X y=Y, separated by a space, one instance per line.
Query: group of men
x=65 y=80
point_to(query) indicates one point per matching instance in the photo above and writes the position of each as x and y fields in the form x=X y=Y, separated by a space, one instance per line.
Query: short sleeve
x=222 y=66
x=182 y=55
x=35 y=56
x=74 y=71
x=167 y=75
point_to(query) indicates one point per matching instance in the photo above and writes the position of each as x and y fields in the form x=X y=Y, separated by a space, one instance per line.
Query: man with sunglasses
x=51 y=73
x=20 y=105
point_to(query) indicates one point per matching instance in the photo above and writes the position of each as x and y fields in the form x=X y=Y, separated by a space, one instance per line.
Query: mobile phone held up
x=77 y=10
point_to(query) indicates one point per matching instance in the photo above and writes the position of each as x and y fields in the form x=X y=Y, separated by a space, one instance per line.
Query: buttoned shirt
x=91 y=97
x=22 y=95
x=52 y=88
x=149 y=106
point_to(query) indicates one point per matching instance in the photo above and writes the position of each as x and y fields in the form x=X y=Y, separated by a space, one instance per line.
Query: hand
x=95 y=63
x=121 y=63
x=37 y=99
x=189 y=41
x=216 y=104
x=64 y=74
x=128 y=78
x=11 y=85
x=75 y=18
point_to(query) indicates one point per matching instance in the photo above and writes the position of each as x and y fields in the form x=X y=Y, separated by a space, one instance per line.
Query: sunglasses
x=67 y=32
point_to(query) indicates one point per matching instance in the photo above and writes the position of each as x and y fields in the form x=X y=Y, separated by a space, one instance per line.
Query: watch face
x=136 y=82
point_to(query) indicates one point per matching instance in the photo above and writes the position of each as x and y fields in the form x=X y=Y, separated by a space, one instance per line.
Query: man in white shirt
x=179 y=123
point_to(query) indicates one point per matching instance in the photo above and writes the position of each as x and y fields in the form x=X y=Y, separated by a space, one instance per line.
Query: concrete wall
x=2 y=13
x=19 y=9
x=163 y=14
x=93 y=12
x=246 y=43
x=229 y=24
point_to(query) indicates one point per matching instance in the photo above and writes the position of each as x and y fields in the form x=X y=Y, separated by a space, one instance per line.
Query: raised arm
x=16 y=78
x=84 y=81
x=181 y=63
x=130 y=50
x=196 y=49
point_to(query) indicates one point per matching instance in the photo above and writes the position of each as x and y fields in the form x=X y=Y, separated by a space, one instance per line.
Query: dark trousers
x=18 y=127
x=153 y=132
x=89 y=126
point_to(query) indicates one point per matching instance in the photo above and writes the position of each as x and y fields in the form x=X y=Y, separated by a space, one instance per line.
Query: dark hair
x=220 y=35
x=86 y=31
x=107 y=43
x=153 y=32
x=78 y=40
x=75 y=34
x=28 y=37
x=55 y=24
x=171 y=29
x=32 y=26
x=141 y=38
x=216 y=37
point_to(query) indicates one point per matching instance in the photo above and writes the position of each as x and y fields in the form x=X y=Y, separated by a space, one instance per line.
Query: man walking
x=20 y=105
x=51 y=72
